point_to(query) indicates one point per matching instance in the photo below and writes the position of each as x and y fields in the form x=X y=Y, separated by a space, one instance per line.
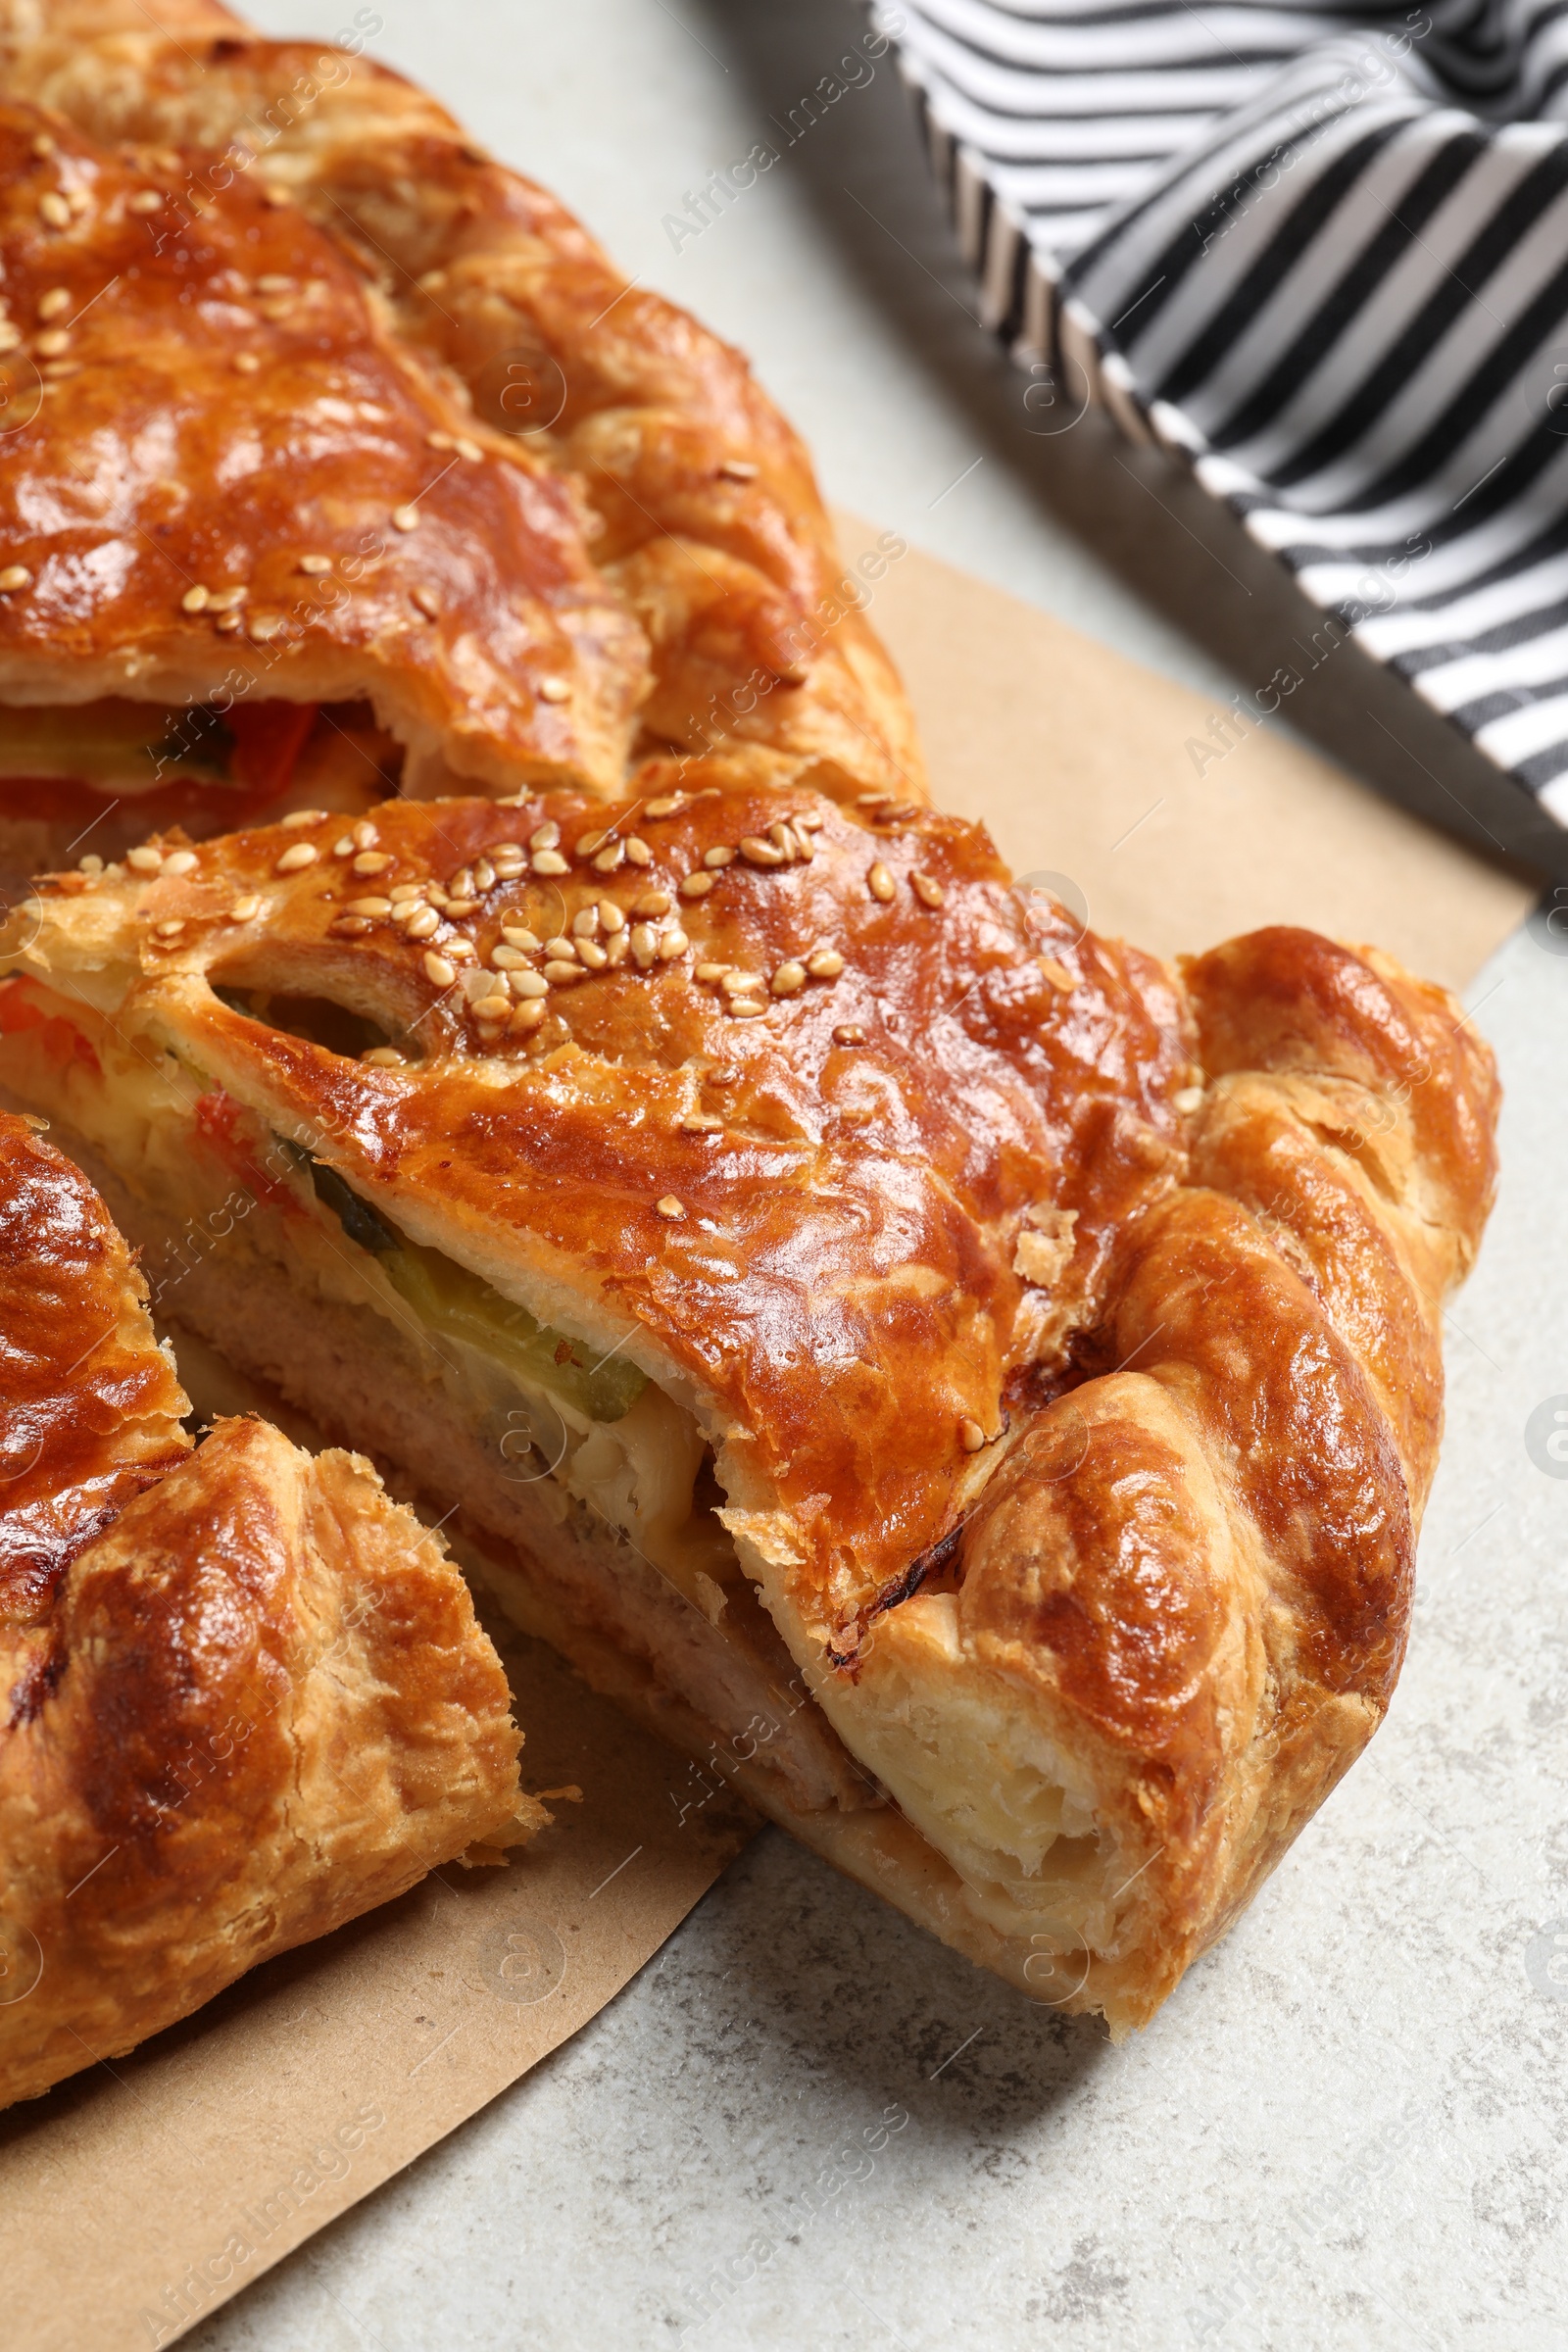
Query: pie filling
x=597 y=1484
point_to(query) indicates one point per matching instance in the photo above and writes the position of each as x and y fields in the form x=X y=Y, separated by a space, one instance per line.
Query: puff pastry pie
x=976 y=1387
x=335 y=457
x=246 y=1697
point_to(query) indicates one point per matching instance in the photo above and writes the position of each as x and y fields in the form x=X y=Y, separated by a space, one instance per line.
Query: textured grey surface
x=807 y=2125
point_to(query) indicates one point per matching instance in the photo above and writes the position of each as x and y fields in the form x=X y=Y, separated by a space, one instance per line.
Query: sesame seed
x=746 y=1008
x=461 y=882
x=527 y=1017
x=826 y=965
x=147 y=200
x=653 y=902
x=801 y=843
x=644 y=945
x=788 y=980
x=44 y=145
x=422 y=923
x=1058 y=974
x=637 y=851
x=371 y=862
x=51 y=305
x=294 y=860
x=226 y=600
x=562 y=948
x=757 y=852
x=1188 y=1100
x=516 y=936
x=145 y=860
x=343 y=847
x=528 y=985
x=717 y=859
x=383 y=1057
x=264 y=626
x=672 y=944
x=57 y=370
x=871 y=800
x=428 y=601
x=741 y=984
x=303 y=816
x=848 y=1033
x=670 y=1207
x=405 y=519
x=880 y=883
x=667 y=806
x=554 y=690
x=927 y=888
x=698 y=1122
x=194 y=600
x=547 y=836
x=438 y=441
x=227 y=623
x=370 y=906
x=468 y=449
x=618 y=950
x=54 y=209
x=559 y=972
x=592 y=955
x=10 y=337
x=245 y=911
x=92 y=863
x=169 y=930
x=696 y=886
x=493 y=1008
x=549 y=862
x=607 y=859
x=708 y=973
x=348 y=926
x=365 y=835
x=15 y=575
x=246 y=363
x=182 y=861
x=404 y=893
x=52 y=345
x=738 y=469
x=315 y=564
x=439 y=971
x=972 y=1437
x=508 y=868
x=613 y=921
x=507 y=960
x=585 y=922
x=273 y=283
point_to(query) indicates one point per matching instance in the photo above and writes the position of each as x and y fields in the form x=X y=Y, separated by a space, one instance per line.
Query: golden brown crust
x=653 y=444
x=244 y=1696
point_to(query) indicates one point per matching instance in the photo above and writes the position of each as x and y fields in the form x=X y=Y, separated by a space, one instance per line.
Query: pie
x=246 y=1695
x=972 y=1384
x=335 y=459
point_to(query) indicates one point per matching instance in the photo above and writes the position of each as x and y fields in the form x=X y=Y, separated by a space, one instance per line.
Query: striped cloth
x=1323 y=254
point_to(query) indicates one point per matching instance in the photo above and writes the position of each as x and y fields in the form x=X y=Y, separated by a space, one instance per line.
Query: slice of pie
x=972 y=1386
x=336 y=459
x=245 y=1695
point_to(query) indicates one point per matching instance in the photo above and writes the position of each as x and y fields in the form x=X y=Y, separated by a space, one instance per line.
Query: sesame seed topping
x=666 y=807
x=670 y=1207
x=371 y=862
x=194 y=600
x=264 y=626
x=738 y=469
x=746 y=1008
x=51 y=305
x=927 y=888
x=826 y=965
x=673 y=943
x=227 y=623
x=613 y=921
x=717 y=859
x=169 y=930
x=468 y=449
x=880 y=883
x=585 y=922
x=788 y=980
x=315 y=564
x=493 y=1008
x=422 y=923
x=1188 y=1100
x=405 y=519
x=273 y=283
x=484 y=876
x=507 y=960
x=225 y=599
x=708 y=973
x=438 y=441
x=848 y=1033
x=554 y=690
x=54 y=209
x=383 y=1057
x=972 y=1437
x=52 y=345
x=369 y=906
x=428 y=602
x=559 y=972
x=145 y=860
x=527 y=1017
x=92 y=863
x=698 y=1122
x=547 y=836
x=15 y=575
x=44 y=145
x=637 y=850
x=644 y=945
x=439 y=971
x=741 y=984
x=181 y=861
x=696 y=886
x=517 y=935
x=365 y=835
x=652 y=902
x=10 y=335
x=348 y=926
x=303 y=816
x=147 y=200
x=404 y=893
x=528 y=985
x=592 y=955
x=757 y=852
x=246 y=363
x=58 y=369
x=294 y=860
x=618 y=950
x=1058 y=974
x=612 y=856
x=245 y=911
x=562 y=948
x=549 y=862
x=344 y=847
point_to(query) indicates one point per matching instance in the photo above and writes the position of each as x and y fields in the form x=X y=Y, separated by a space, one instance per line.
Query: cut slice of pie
x=246 y=1697
x=972 y=1386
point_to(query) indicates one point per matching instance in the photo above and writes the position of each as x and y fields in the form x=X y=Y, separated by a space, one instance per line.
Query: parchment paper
x=142 y=2194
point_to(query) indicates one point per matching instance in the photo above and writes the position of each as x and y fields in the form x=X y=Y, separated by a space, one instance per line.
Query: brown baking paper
x=141 y=2195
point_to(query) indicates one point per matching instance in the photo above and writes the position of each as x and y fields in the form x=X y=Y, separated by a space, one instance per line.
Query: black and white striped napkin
x=1323 y=253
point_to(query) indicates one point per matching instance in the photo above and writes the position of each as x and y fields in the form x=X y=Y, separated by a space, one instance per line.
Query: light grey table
x=1348 y=2127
